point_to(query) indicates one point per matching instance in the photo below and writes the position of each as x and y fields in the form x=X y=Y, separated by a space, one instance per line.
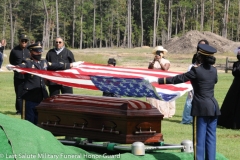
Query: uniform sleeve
x=24 y=64
x=47 y=55
x=179 y=78
x=70 y=57
x=11 y=58
x=58 y=66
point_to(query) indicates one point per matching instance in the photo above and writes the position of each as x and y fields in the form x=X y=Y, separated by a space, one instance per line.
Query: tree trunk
x=213 y=15
x=14 y=28
x=238 y=24
x=111 y=32
x=225 y=19
x=154 y=24
x=11 y=22
x=176 y=27
x=57 y=20
x=101 y=28
x=46 y=36
x=183 y=18
x=202 y=14
x=52 y=40
x=81 y=24
x=94 y=22
x=30 y=18
x=169 y=19
x=197 y=18
x=44 y=31
x=73 y=25
x=4 y=20
x=141 y=23
x=158 y=15
x=129 y=25
x=118 y=30
x=125 y=33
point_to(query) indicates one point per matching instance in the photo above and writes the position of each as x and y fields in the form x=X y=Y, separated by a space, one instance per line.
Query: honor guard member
x=34 y=90
x=205 y=109
x=16 y=57
x=59 y=54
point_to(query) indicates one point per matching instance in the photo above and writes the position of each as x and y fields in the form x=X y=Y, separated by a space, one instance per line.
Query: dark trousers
x=55 y=89
x=204 y=137
x=1 y=59
x=31 y=114
x=18 y=86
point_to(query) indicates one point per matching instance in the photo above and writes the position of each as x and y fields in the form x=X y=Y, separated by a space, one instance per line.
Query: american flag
x=119 y=80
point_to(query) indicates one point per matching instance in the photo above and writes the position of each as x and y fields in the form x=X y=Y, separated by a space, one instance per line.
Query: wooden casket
x=118 y=120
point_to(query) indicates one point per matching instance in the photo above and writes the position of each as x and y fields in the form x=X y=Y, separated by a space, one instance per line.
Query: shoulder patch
x=27 y=59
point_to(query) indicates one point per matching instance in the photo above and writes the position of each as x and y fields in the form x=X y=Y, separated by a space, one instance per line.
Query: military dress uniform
x=205 y=109
x=16 y=57
x=34 y=90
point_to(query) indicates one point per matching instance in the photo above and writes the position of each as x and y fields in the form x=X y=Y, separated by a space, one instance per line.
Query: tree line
x=116 y=23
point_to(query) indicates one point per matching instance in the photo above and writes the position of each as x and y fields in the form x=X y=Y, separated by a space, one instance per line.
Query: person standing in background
x=111 y=62
x=17 y=55
x=2 y=46
x=230 y=117
x=59 y=54
x=159 y=62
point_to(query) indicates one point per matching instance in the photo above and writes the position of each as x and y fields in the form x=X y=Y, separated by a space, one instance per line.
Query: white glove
x=76 y=64
x=151 y=79
x=9 y=67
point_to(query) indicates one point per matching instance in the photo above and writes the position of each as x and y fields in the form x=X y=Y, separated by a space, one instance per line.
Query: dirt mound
x=188 y=42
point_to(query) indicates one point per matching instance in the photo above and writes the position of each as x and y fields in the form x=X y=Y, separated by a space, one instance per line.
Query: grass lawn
x=228 y=141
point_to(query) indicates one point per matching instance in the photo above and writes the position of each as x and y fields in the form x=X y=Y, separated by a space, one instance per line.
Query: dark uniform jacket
x=16 y=57
x=65 y=56
x=34 y=86
x=203 y=79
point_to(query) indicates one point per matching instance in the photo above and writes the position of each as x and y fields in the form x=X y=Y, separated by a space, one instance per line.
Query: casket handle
x=53 y=119
x=147 y=128
x=109 y=125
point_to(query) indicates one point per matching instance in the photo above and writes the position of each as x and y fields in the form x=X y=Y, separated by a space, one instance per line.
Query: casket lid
x=97 y=105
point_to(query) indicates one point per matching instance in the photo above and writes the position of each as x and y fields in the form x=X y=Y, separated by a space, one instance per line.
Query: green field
x=228 y=141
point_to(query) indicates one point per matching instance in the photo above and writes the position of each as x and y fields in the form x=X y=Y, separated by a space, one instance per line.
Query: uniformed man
x=16 y=57
x=34 y=90
x=205 y=109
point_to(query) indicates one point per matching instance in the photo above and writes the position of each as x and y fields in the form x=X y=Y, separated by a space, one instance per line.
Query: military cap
x=37 y=47
x=23 y=36
x=112 y=61
x=206 y=50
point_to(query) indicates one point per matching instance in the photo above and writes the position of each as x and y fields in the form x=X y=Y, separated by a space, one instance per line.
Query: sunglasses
x=25 y=41
x=58 y=42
